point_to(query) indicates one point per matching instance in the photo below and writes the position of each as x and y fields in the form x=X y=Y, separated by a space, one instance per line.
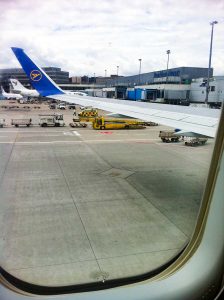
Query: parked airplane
x=18 y=87
x=11 y=95
x=202 y=121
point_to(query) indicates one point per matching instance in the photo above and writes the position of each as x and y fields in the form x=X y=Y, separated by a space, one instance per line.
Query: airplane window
x=85 y=206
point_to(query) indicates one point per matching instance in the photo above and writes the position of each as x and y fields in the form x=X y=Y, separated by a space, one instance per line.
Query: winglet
x=38 y=78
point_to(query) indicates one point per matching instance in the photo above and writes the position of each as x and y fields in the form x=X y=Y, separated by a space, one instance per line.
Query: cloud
x=86 y=37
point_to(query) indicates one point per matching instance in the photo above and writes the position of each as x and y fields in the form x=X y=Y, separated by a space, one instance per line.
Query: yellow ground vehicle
x=88 y=114
x=112 y=123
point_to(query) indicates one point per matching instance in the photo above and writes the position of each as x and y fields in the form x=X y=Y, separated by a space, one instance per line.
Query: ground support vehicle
x=112 y=123
x=71 y=106
x=61 y=106
x=88 y=114
x=23 y=122
x=56 y=120
x=2 y=123
x=168 y=136
x=195 y=141
x=22 y=101
x=78 y=125
x=150 y=124
x=52 y=106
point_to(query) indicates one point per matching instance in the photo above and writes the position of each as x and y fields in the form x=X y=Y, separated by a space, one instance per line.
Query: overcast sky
x=88 y=36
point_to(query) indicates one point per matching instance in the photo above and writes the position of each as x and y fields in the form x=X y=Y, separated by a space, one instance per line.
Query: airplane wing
x=202 y=121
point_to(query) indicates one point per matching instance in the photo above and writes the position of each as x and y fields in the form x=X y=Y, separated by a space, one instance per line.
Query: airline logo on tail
x=35 y=75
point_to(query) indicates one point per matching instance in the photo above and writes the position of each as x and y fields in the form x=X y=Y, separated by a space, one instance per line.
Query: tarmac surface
x=81 y=205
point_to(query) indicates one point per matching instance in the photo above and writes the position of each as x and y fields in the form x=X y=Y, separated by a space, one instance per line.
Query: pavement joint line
x=143 y=196
x=89 y=260
x=51 y=265
x=165 y=144
x=30 y=131
x=139 y=253
x=163 y=212
x=82 y=141
x=7 y=163
x=174 y=149
x=75 y=205
x=67 y=183
x=106 y=201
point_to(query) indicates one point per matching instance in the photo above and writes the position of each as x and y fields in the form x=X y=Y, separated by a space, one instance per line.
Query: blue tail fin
x=38 y=78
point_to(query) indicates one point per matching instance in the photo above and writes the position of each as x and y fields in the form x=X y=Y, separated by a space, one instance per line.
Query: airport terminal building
x=181 y=85
x=181 y=75
x=59 y=76
x=172 y=86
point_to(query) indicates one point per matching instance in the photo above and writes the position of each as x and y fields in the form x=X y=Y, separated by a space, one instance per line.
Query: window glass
x=79 y=205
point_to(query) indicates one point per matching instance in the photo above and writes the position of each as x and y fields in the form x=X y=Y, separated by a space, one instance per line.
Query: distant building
x=92 y=80
x=181 y=85
x=102 y=80
x=84 y=79
x=181 y=75
x=59 y=76
x=75 y=79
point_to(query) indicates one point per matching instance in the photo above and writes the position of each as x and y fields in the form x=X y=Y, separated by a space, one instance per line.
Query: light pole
x=117 y=74
x=167 y=65
x=140 y=66
x=105 y=77
x=209 y=64
x=94 y=81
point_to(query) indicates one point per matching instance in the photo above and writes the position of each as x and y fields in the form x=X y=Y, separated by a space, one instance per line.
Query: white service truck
x=56 y=120
x=61 y=106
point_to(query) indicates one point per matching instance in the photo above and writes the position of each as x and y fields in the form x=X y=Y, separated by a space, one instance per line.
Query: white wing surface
x=202 y=121
x=199 y=120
